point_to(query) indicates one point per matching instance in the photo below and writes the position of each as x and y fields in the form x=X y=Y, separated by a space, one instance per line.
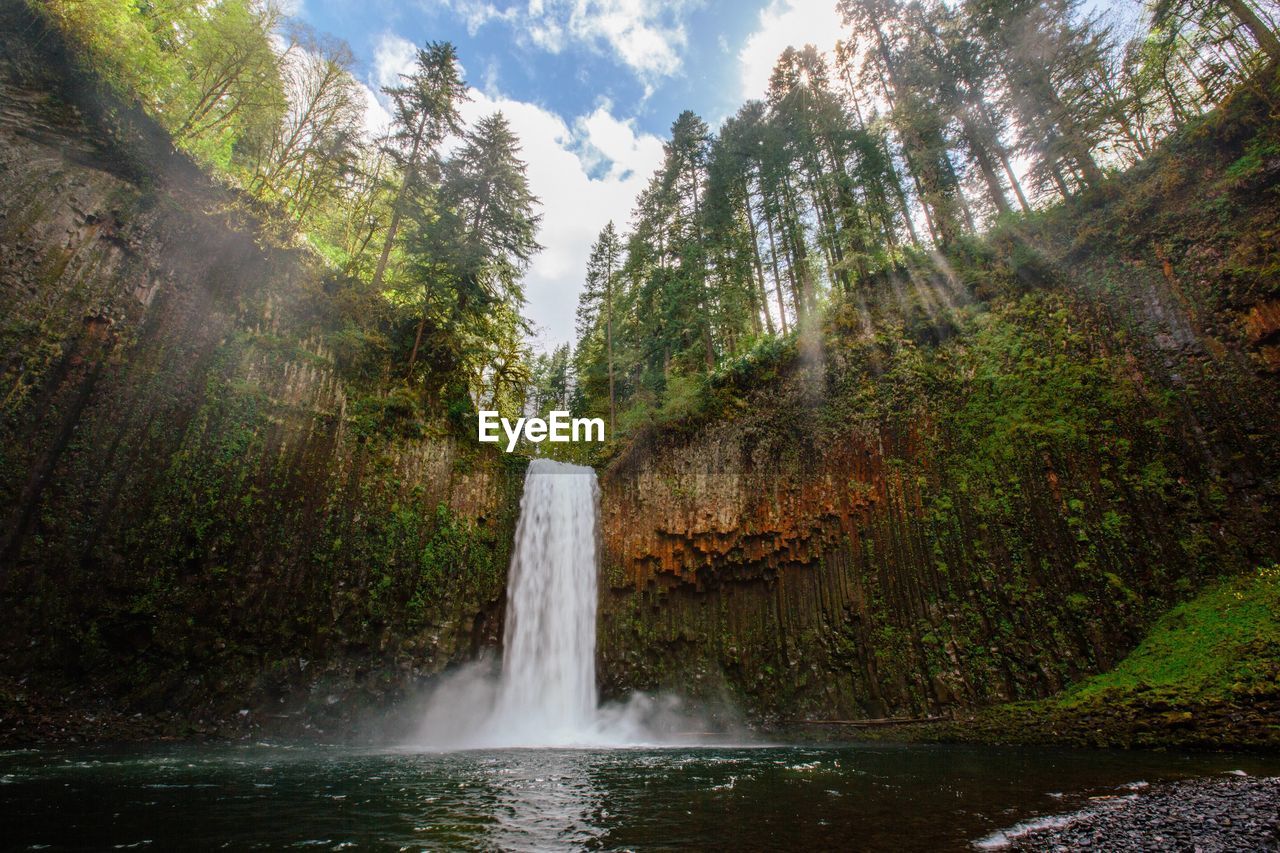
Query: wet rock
x=1215 y=815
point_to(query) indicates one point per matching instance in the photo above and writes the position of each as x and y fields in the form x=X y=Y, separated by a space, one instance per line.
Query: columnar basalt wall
x=200 y=513
x=982 y=478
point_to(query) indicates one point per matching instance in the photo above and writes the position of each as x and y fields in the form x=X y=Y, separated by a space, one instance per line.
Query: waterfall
x=548 y=684
x=545 y=693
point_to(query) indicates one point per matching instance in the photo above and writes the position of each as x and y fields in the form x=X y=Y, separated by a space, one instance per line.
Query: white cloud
x=615 y=144
x=783 y=24
x=392 y=56
x=545 y=29
x=647 y=36
x=490 y=83
x=476 y=13
x=585 y=174
x=377 y=118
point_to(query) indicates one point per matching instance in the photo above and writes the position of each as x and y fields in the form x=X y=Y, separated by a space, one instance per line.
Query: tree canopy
x=928 y=121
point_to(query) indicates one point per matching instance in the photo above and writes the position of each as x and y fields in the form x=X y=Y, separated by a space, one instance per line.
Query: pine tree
x=893 y=47
x=684 y=173
x=1043 y=50
x=425 y=113
x=471 y=250
x=597 y=303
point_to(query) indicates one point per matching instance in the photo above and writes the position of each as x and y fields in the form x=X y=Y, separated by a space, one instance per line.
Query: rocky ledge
x=1214 y=815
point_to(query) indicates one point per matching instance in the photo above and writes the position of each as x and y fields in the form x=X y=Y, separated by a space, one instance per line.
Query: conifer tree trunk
x=777 y=275
x=1262 y=34
x=397 y=209
x=755 y=254
x=1003 y=156
x=895 y=179
x=983 y=158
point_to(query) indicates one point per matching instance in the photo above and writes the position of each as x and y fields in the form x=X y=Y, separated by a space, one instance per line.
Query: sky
x=590 y=86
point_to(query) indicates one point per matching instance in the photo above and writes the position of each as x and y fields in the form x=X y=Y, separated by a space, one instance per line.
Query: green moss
x=1225 y=641
x=1206 y=674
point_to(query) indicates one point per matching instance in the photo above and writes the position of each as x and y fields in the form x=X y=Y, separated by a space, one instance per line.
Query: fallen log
x=880 y=721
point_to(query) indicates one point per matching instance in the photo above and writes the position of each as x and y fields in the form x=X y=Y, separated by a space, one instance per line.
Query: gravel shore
x=1223 y=814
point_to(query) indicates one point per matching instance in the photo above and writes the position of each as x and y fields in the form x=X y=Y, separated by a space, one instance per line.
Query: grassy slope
x=1206 y=674
x=1222 y=645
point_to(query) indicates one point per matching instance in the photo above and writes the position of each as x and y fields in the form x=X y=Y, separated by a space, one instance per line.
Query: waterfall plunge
x=548 y=685
x=545 y=694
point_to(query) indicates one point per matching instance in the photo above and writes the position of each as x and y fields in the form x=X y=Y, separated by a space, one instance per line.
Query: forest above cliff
x=925 y=126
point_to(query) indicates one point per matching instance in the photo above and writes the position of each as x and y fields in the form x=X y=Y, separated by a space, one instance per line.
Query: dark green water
x=861 y=797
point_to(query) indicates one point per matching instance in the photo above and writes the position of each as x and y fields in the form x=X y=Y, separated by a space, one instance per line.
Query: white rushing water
x=545 y=693
x=548 y=686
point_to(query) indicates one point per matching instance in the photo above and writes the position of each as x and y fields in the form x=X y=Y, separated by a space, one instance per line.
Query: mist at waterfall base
x=543 y=692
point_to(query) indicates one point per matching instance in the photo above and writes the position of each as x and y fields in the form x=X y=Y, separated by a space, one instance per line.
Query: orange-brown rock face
x=1262 y=328
x=862 y=577
x=706 y=510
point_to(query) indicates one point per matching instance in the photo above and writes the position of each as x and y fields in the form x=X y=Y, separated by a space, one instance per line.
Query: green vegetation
x=845 y=177
x=1222 y=645
x=428 y=250
x=1206 y=674
x=854 y=177
x=207 y=71
x=1057 y=439
x=1049 y=436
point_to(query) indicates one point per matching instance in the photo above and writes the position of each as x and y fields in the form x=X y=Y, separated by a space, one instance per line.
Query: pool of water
x=866 y=797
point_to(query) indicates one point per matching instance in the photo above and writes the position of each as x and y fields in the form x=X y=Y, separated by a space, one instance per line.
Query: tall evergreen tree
x=425 y=113
x=471 y=250
x=1044 y=49
x=598 y=302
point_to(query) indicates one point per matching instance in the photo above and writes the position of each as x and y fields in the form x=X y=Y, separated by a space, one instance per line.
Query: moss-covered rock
x=986 y=474
x=1207 y=674
x=210 y=506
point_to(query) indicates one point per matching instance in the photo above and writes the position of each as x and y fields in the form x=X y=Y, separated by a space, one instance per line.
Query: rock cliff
x=206 y=510
x=986 y=474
